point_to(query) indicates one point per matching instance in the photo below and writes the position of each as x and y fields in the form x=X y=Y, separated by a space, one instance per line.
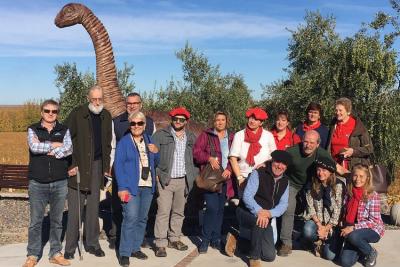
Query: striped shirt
x=37 y=147
x=178 y=164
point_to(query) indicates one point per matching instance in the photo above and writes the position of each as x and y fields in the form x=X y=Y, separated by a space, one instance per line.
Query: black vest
x=44 y=168
x=269 y=192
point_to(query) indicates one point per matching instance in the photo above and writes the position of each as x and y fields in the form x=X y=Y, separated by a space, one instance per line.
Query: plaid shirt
x=178 y=165
x=369 y=214
x=37 y=147
x=324 y=215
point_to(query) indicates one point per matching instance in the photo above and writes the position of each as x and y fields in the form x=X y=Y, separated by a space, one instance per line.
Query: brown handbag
x=380 y=176
x=210 y=179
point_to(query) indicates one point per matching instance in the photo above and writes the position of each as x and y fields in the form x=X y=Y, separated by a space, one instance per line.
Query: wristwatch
x=240 y=178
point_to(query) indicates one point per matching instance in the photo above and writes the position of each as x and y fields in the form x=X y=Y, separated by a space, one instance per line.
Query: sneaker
x=230 y=245
x=160 y=252
x=254 y=263
x=30 y=261
x=178 y=245
x=203 y=247
x=124 y=261
x=139 y=255
x=59 y=259
x=284 y=250
x=318 y=248
x=371 y=258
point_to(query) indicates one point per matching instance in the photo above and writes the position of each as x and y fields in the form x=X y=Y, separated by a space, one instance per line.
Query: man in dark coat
x=90 y=126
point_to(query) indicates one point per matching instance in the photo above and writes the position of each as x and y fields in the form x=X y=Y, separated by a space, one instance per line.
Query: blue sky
x=245 y=37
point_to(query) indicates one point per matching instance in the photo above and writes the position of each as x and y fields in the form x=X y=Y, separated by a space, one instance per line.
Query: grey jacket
x=165 y=142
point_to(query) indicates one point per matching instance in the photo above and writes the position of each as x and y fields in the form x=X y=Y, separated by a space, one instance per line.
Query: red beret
x=180 y=111
x=258 y=113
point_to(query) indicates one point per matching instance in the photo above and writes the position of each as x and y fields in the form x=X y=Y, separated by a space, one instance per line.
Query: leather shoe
x=124 y=261
x=69 y=256
x=98 y=252
x=160 y=252
x=140 y=255
x=178 y=245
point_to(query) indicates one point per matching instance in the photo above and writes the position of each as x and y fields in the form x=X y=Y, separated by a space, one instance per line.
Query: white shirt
x=239 y=150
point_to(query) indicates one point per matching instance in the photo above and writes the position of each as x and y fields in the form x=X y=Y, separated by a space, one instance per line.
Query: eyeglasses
x=176 y=119
x=51 y=111
x=133 y=103
x=139 y=123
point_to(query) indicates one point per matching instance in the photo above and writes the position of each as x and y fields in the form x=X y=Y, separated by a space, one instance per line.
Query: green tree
x=73 y=85
x=323 y=67
x=203 y=90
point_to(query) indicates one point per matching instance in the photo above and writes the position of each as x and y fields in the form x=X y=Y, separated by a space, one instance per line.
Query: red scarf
x=307 y=127
x=255 y=146
x=352 y=205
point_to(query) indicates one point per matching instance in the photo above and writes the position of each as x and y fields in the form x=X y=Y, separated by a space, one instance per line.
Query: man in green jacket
x=90 y=126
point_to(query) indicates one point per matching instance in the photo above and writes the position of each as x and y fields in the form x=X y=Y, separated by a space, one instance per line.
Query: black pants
x=116 y=210
x=91 y=215
x=262 y=239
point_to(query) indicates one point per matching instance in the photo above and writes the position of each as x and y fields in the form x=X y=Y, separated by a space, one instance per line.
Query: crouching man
x=265 y=197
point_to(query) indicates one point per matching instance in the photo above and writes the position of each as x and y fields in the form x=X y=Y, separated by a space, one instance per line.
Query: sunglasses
x=55 y=111
x=139 y=123
x=176 y=119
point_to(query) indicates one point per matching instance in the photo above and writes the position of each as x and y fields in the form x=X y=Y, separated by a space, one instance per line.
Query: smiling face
x=278 y=168
x=313 y=116
x=310 y=142
x=137 y=126
x=178 y=122
x=341 y=113
x=323 y=175
x=220 y=123
x=281 y=123
x=360 y=178
x=253 y=123
x=133 y=104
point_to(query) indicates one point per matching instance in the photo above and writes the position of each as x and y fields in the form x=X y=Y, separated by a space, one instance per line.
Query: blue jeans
x=357 y=244
x=134 y=221
x=40 y=194
x=213 y=216
x=330 y=246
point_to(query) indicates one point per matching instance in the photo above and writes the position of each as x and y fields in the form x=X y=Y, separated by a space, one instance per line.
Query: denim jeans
x=213 y=215
x=40 y=194
x=357 y=244
x=330 y=246
x=134 y=221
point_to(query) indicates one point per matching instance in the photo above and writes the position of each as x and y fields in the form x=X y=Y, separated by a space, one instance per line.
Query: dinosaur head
x=70 y=15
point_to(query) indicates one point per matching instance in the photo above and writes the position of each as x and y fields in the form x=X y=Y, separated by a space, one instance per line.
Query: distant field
x=13 y=148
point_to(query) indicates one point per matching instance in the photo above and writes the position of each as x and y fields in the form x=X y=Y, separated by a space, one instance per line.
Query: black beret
x=326 y=163
x=281 y=156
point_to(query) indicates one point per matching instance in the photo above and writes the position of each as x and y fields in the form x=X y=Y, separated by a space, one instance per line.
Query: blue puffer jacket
x=127 y=166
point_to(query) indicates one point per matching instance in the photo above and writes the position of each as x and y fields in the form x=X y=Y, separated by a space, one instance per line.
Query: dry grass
x=394 y=189
x=13 y=148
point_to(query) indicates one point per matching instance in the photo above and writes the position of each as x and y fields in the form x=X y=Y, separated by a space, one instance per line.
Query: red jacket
x=201 y=153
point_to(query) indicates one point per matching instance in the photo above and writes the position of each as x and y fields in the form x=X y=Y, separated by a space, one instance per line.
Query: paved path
x=389 y=256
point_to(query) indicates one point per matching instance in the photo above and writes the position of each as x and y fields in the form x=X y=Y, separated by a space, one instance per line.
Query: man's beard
x=94 y=109
x=177 y=128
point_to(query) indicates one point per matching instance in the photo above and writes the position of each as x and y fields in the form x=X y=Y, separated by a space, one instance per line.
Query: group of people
x=315 y=172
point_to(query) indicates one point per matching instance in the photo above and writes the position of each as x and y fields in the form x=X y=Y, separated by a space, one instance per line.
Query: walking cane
x=80 y=244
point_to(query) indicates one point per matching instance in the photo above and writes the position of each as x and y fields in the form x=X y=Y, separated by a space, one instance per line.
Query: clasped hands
x=263 y=217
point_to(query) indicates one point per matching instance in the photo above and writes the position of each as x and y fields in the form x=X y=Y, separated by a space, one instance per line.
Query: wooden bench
x=14 y=176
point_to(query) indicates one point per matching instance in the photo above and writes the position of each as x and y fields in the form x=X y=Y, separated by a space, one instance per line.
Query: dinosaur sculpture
x=106 y=73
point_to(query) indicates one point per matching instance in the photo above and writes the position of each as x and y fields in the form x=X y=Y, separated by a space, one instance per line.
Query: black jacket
x=79 y=123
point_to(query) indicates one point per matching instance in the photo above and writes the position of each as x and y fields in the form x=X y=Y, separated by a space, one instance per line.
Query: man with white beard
x=91 y=133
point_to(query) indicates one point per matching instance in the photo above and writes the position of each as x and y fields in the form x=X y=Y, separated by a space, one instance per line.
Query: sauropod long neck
x=106 y=73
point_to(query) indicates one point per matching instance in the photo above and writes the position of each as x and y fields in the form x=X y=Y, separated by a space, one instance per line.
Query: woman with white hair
x=135 y=161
